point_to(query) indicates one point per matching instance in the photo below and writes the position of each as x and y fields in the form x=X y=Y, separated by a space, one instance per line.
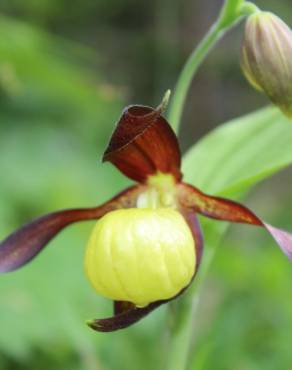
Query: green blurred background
x=66 y=71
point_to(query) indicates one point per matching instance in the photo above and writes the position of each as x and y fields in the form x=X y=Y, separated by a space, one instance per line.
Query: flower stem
x=249 y=8
x=183 y=311
x=229 y=15
x=181 y=334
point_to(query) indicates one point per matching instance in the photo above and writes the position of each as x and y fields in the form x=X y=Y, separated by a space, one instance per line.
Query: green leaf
x=239 y=154
x=229 y=161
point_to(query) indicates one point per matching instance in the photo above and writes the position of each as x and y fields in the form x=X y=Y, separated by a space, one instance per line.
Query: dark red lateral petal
x=193 y=222
x=143 y=143
x=228 y=210
x=24 y=244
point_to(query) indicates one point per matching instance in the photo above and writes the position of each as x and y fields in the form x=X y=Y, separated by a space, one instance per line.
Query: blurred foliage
x=56 y=115
x=58 y=102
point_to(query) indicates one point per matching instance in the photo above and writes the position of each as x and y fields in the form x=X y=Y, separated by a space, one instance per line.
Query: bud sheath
x=266 y=58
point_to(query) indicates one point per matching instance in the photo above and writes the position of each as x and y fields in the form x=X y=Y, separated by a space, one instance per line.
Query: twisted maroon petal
x=24 y=244
x=143 y=143
x=228 y=210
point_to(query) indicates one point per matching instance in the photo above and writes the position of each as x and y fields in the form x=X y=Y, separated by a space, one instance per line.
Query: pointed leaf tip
x=164 y=103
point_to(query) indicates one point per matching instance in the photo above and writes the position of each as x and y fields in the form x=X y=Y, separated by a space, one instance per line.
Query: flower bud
x=266 y=58
x=140 y=255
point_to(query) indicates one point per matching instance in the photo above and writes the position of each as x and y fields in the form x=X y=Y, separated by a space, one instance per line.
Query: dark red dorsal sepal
x=143 y=143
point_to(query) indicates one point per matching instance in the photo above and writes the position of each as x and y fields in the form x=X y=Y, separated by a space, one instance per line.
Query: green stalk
x=228 y=16
x=183 y=311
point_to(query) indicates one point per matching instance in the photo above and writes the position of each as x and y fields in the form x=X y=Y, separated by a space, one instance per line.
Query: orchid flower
x=146 y=247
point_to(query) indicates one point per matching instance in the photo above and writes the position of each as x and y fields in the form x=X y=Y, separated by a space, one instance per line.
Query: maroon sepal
x=124 y=319
x=122 y=306
x=228 y=210
x=143 y=143
x=24 y=244
x=126 y=314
